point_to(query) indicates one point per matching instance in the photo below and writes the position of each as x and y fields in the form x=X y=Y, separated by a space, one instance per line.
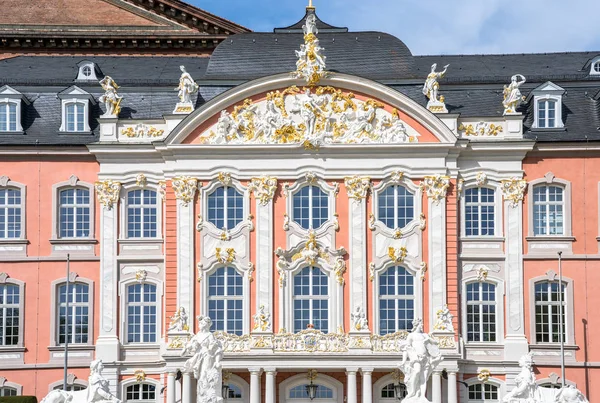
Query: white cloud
x=441 y=26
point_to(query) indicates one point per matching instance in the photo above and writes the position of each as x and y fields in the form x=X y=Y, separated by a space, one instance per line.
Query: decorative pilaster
x=264 y=189
x=436 y=187
x=515 y=344
x=107 y=345
x=185 y=191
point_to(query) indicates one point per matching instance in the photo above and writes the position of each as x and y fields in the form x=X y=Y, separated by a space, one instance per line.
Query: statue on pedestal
x=179 y=321
x=98 y=390
x=187 y=87
x=420 y=356
x=205 y=363
x=431 y=88
x=512 y=94
x=111 y=99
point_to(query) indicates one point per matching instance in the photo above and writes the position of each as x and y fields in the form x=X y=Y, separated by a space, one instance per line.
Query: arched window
x=142 y=207
x=225 y=300
x=483 y=393
x=310 y=207
x=8 y=391
x=10 y=213
x=479 y=211
x=396 y=207
x=481 y=312
x=233 y=392
x=225 y=207
x=141 y=313
x=548 y=207
x=389 y=392
x=8 y=117
x=311 y=299
x=547 y=311
x=77 y=329
x=75 y=118
x=71 y=388
x=396 y=300
x=74 y=213
x=140 y=392
x=596 y=67
x=10 y=310
x=300 y=392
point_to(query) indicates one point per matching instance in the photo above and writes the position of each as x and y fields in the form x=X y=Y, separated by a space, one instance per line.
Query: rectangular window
x=141 y=313
x=10 y=213
x=9 y=314
x=76 y=329
x=225 y=207
x=479 y=212
x=396 y=300
x=225 y=300
x=548 y=207
x=311 y=300
x=310 y=207
x=142 y=210
x=8 y=117
x=481 y=312
x=548 y=311
x=546 y=114
x=75 y=117
x=74 y=212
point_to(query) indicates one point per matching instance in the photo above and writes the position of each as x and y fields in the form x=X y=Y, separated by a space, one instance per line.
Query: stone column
x=367 y=385
x=171 y=392
x=452 y=395
x=351 y=385
x=436 y=387
x=270 y=385
x=188 y=388
x=254 y=385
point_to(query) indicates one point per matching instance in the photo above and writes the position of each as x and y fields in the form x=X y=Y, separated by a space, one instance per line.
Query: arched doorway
x=293 y=390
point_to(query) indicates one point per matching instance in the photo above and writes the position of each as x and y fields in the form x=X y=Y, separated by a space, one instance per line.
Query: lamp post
x=311 y=388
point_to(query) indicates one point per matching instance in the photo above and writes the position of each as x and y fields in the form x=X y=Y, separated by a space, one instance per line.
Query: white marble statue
x=98 y=390
x=570 y=394
x=393 y=131
x=311 y=25
x=512 y=94
x=205 y=363
x=110 y=98
x=179 y=321
x=359 y=319
x=187 y=87
x=525 y=386
x=311 y=61
x=420 y=356
x=432 y=86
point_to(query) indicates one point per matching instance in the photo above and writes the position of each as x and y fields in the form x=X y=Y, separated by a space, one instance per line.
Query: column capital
x=271 y=371
x=367 y=369
x=255 y=370
x=351 y=371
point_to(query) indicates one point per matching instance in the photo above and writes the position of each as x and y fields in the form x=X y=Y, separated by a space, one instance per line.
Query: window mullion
x=396 y=218
x=225 y=295
x=225 y=225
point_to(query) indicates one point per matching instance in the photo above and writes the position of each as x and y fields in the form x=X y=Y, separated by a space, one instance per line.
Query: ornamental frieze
x=480 y=129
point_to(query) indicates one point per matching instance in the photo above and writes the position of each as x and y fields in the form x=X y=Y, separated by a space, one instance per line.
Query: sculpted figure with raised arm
x=512 y=94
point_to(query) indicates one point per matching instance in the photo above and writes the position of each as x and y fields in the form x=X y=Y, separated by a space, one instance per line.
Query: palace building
x=313 y=190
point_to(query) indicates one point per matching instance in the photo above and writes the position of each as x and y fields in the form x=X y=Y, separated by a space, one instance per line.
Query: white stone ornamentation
x=185 y=188
x=262 y=320
x=205 y=363
x=312 y=118
x=141 y=275
x=397 y=255
x=431 y=88
x=512 y=94
x=420 y=356
x=443 y=322
x=513 y=190
x=264 y=188
x=110 y=98
x=98 y=390
x=482 y=273
x=310 y=65
x=357 y=187
x=359 y=320
x=142 y=130
x=108 y=192
x=480 y=178
x=436 y=187
x=141 y=180
x=187 y=87
x=179 y=321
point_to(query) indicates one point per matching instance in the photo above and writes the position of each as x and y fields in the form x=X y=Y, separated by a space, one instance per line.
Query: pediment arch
x=277 y=110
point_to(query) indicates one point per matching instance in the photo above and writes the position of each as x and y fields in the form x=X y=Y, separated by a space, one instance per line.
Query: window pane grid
x=75 y=117
x=547 y=113
x=396 y=207
x=225 y=207
x=77 y=329
x=483 y=393
x=310 y=207
x=141 y=313
x=6 y=391
x=74 y=212
x=548 y=311
x=142 y=216
x=311 y=299
x=8 y=117
x=225 y=300
x=396 y=300
x=479 y=212
x=481 y=312
x=548 y=207
x=142 y=391
x=9 y=314
x=10 y=213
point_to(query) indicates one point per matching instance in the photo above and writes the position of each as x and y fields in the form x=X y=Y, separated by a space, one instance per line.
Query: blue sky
x=439 y=26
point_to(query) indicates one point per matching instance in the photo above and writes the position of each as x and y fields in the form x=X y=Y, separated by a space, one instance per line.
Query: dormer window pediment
x=88 y=71
x=547 y=103
x=75 y=107
x=11 y=102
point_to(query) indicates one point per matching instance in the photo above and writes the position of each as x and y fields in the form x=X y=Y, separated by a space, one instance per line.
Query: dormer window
x=75 y=110
x=547 y=100
x=87 y=71
x=10 y=110
x=596 y=67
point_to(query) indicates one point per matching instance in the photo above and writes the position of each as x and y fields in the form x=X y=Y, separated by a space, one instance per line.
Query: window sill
x=10 y=132
x=140 y=240
x=141 y=246
x=486 y=344
x=548 y=129
x=13 y=248
x=545 y=245
x=482 y=238
x=550 y=238
x=73 y=347
x=80 y=353
x=84 y=133
x=15 y=241
x=11 y=355
x=77 y=241
x=75 y=246
x=12 y=349
x=481 y=245
x=553 y=346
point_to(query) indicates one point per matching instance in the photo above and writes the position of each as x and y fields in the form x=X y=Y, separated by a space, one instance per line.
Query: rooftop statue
x=111 y=99
x=311 y=61
x=420 y=356
x=98 y=390
x=431 y=88
x=187 y=87
x=512 y=94
x=205 y=363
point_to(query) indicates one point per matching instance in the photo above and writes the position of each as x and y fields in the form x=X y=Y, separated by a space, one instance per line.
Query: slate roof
x=472 y=87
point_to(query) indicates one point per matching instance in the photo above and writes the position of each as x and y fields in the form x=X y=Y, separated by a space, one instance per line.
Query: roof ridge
x=513 y=54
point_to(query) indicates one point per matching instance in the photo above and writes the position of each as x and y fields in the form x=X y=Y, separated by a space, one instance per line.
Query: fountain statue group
x=420 y=356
